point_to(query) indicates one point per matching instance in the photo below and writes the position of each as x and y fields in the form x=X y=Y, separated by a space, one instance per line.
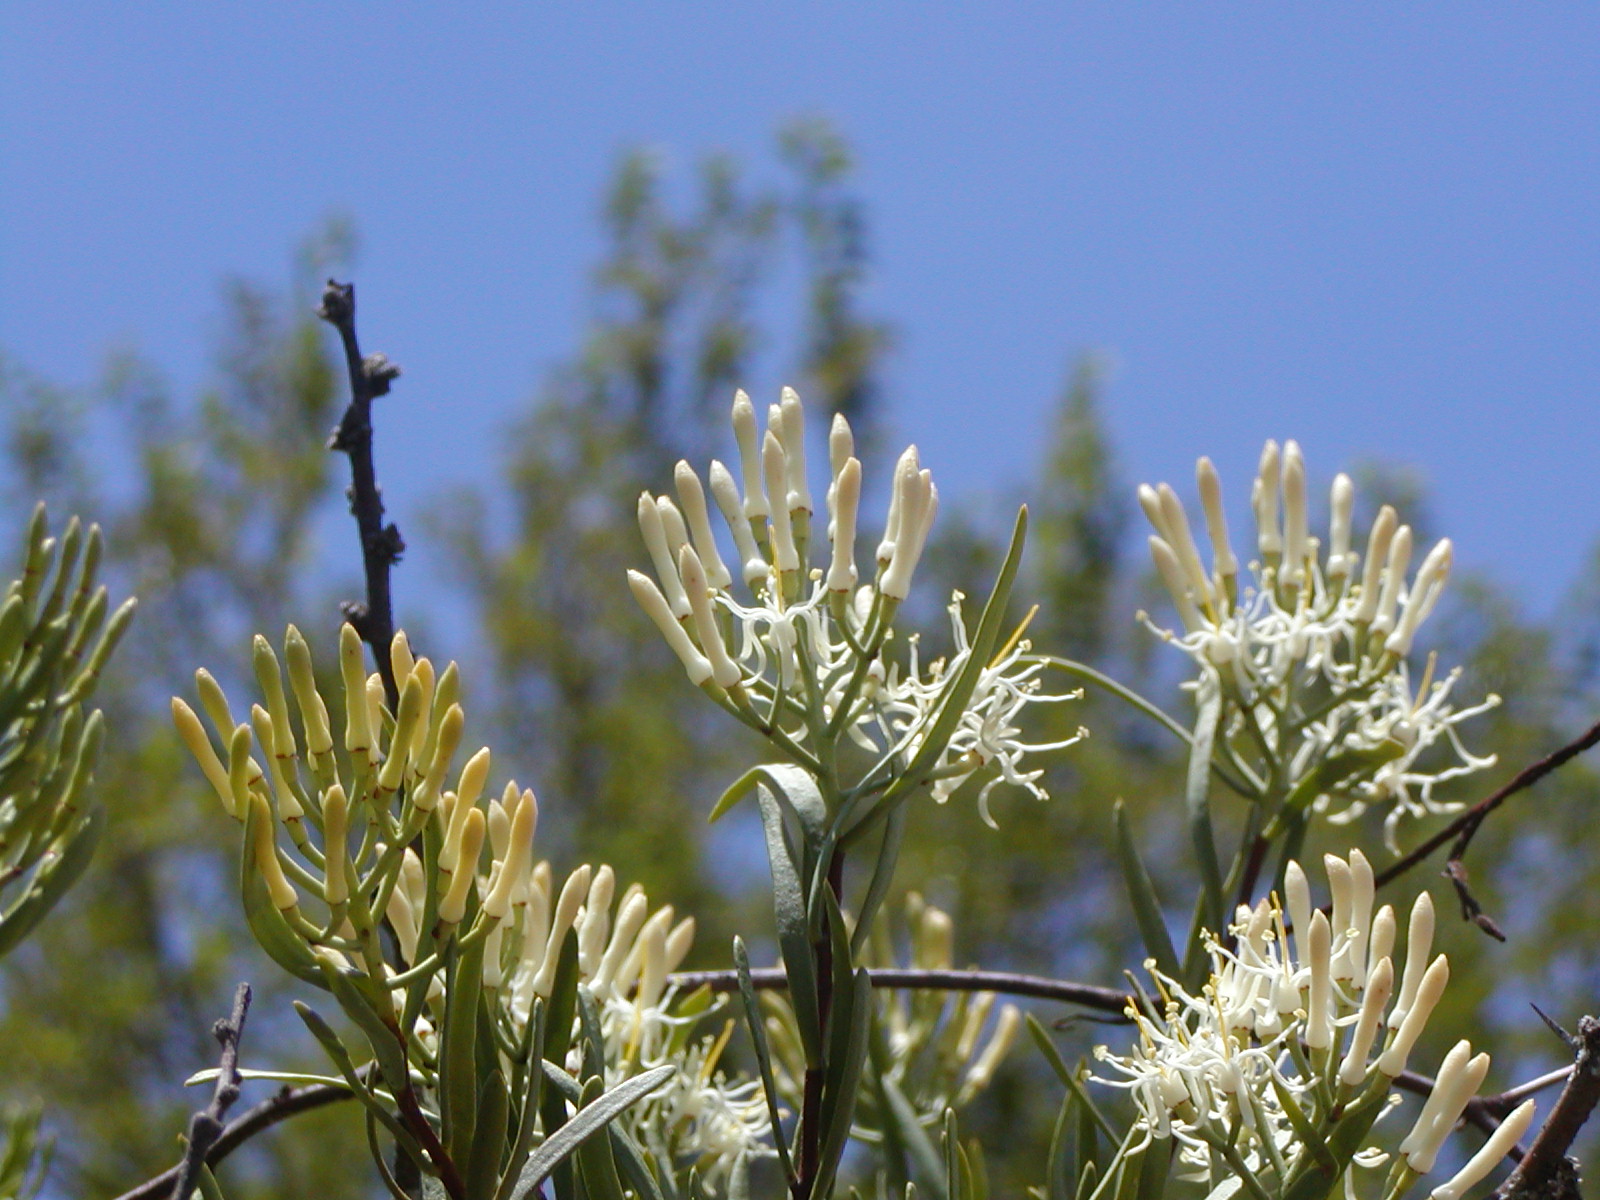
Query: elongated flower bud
x=726 y=493
x=1383 y=527
x=1264 y=499
x=573 y=893
x=1210 y=485
x=1296 y=539
x=357 y=723
x=450 y=728
x=655 y=606
x=1150 y=502
x=1458 y=1079
x=1419 y=942
x=1182 y=543
x=662 y=556
x=1497 y=1146
x=270 y=679
x=393 y=772
x=846 y=506
x=1393 y=1059
x=401 y=661
x=1380 y=986
x=465 y=871
x=195 y=738
x=775 y=466
x=724 y=671
x=264 y=854
x=919 y=502
x=1319 y=1019
x=746 y=434
x=841 y=449
x=1297 y=898
x=595 y=922
x=1171 y=572
x=1341 y=504
x=1422 y=596
x=288 y=805
x=906 y=465
x=1394 y=576
x=791 y=425
x=519 y=855
x=335 y=826
x=692 y=499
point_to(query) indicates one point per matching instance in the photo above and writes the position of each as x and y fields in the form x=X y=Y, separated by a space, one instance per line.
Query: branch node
x=380 y=373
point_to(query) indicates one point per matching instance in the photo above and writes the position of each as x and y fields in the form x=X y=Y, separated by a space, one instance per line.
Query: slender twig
x=285 y=1103
x=206 y=1125
x=381 y=545
x=1087 y=995
x=1486 y=1112
x=1546 y=1171
x=1466 y=825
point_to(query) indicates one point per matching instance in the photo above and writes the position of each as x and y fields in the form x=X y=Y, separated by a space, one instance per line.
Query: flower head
x=1309 y=651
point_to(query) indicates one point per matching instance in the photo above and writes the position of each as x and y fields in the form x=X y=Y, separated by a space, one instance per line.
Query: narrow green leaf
x=335 y=1050
x=1142 y=895
x=842 y=1083
x=384 y=1040
x=917 y=1142
x=894 y=832
x=584 y=1124
x=488 y=1137
x=1068 y=1077
x=789 y=906
x=459 y=1083
x=595 y=1164
x=758 y=1038
x=1198 y=803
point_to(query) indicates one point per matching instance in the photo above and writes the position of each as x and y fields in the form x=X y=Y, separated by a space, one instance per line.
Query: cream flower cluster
x=804 y=644
x=1286 y=1037
x=1311 y=648
x=353 y=824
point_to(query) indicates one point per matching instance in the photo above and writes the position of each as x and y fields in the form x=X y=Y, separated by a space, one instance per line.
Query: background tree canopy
x=223 y=515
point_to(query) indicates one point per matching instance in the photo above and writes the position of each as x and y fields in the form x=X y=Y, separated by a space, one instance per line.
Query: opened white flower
x=803 y=653
x=1309 y=650
x=1286 y=1037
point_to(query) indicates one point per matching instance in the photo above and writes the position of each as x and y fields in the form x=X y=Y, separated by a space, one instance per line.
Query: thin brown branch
x=285 y=1103
x=1464 y=827
x=381 y=545
x=205 y=1126
x=1086 y=995
x=1545 y=1171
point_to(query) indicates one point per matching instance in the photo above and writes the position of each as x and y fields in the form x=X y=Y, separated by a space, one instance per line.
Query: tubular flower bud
x=655 y=606
x=1393 y=1059
x=906 y=466
x=1296 y=538
x=726 y=494
x=392 y=774
x=750 y=457
x=724 y=671
x=270 y=679
x=1421 y=598
x=519 y=855
x=1498 y=1145
x=336 y=826
x=288 y=803
x=1341 y=505
x=692 y=499
x=791 y=426
x=1319 y=1022
x=1182 y=544
x=1383 y=527
x=464 y=874
x=199 y=745
x=779 y=526
x=1210 y=486
x=1171 y=571
x=401 y=661
x=357 y=726
x=265 y=857
x=1393 y=578
x=846 y=504
x=1264 y=499
x=841 y=449
x=449 y=737
x=1380 y=986
x=1419 y=942
x=919 y=501
x=1150 y=502
x=1458 y=1079
x=662 y=556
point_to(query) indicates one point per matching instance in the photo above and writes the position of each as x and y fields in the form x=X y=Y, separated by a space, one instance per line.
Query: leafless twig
x=206 y=1125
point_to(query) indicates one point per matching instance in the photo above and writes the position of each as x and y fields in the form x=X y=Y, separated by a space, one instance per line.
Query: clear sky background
x=1370 y=227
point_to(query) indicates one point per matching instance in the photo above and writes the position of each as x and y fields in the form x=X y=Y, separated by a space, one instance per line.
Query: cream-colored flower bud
x=464 y=871
x=536 y=920
x=393 y=772
x=679 y=941
x=846 y=503
x=595 y=922
x=1183 y=544
x=1341 y=504
x=352 y=668
x=566 y=911
x=1338 y=872
x=269 y=677
x=518 y=858
x=448 y=738
x=1458 y=1079
x=414 y=878
x=906 y=465
x=199 y=744
x=631 y=915
x=1171 y=572
x=401 y=661
x=1210 y=486
x=672 y=524
x=1393 y=1060
x=662 y=556
x=1419 y=943
x=1383 y=529
x=1381 y=943
x=335 y=828
x=724 y=671
x=977 y=1017
x=841 y=449
x=264 y=854
x=655 y=606
x=494 y=974
x=1319 y=1017
x=779 y=526
x=1264 y=499
x=214 y=703
x=1496 y=1147
x=1423 y=594
x=420 y=756
x=1296 y=538
x=1380 y=986
x=1394 y=577
x=747 y=436
x=288 y=804
x=403 y=919
x=499 y=817
x=726 y=493
x=242 y=769
x=982 y=1071
x=1297 y=898
x=935 y=944
x=375 y=708
x=792 y=430
x=692 y=500
x=919 y=501
x=653 y=963
x=1150 y=502
x=474 y=775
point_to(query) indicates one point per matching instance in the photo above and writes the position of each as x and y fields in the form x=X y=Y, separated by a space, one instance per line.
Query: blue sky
x=1370 y=227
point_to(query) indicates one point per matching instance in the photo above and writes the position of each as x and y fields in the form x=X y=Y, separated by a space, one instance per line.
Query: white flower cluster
x=1311 y=649
x=805 y=644
x=1281 y=1041
x=391 y=790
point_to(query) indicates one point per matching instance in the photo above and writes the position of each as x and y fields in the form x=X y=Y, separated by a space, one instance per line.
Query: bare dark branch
x=205 y=1127
x=1546 y=1173
x=1088 y=995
